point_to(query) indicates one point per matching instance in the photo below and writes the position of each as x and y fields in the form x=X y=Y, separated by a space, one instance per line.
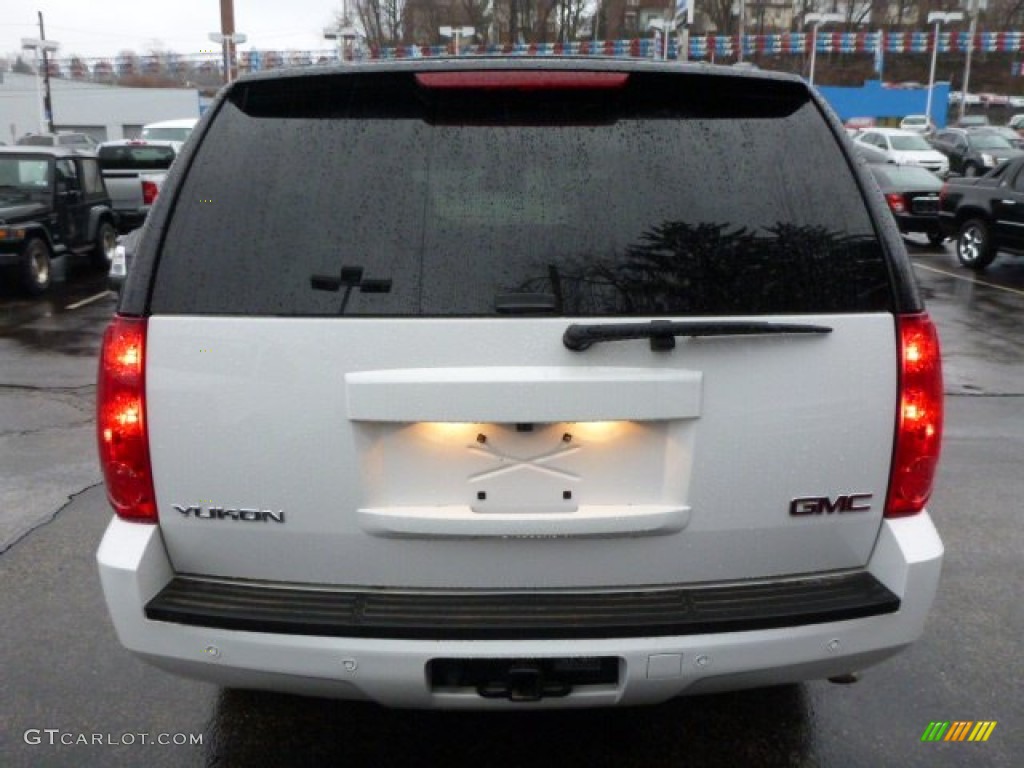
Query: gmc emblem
x=823 y=505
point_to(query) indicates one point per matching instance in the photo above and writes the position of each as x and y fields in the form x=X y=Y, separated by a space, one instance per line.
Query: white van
x=169 y=130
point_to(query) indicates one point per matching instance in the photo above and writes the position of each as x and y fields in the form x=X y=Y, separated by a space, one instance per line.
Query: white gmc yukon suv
x=519 y=384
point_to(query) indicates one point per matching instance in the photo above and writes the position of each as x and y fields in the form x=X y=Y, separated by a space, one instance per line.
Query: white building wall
x=105 y=111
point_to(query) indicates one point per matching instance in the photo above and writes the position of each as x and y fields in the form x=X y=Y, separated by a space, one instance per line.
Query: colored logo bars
x=959 y=730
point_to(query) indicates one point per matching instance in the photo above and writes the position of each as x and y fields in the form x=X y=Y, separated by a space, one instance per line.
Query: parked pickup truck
x=53 y=205
x=134 y=170
x=985 y=214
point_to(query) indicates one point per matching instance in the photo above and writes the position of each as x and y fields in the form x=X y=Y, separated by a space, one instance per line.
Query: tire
x=36 y=272
x=106 y=241
x=974 y=246
x=971 y=170
x=936 y=238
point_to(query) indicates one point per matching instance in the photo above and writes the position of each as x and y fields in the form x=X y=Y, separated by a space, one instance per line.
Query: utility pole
x=41 y=46
x=228 y=39
x=47 y=104
x=227 y=29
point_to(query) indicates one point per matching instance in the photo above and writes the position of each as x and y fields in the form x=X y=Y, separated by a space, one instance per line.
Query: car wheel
x=971 y=170
x=106 y=242
x=974 y=245
x=936 y=238
x=36 y=275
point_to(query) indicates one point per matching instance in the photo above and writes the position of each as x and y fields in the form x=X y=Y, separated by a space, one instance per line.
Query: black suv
x=53 y=203
x=973 y=152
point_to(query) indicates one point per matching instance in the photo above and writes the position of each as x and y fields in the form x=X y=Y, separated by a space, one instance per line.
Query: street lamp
x=456 y=33
x=668 y=25
x=816 y=20
x=41 y=47
x=937 y=18
x=972 y=13
x=345 y=34
x=228 y=43
x=664 y=26
x=741 y=22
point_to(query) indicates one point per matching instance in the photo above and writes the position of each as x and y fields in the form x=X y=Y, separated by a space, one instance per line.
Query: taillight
x=149 y=192
x=896 y=203
x=121 y=420
x=919 y=421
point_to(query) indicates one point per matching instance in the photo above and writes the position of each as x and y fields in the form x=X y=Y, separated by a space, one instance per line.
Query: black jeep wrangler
x=53 y=203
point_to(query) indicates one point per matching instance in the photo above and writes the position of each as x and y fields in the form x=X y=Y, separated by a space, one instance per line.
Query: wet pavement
x=47 y=394
x=66 y=679
x=979 y=318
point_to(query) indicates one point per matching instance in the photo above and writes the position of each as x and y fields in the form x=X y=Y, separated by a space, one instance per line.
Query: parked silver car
x=898 y=147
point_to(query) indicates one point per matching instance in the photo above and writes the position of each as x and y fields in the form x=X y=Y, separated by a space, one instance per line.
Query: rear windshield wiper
x=662 y=333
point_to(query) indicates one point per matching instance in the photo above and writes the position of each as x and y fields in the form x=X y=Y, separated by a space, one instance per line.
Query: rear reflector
x=523 y=81
x=121 y=420
x=919 y=421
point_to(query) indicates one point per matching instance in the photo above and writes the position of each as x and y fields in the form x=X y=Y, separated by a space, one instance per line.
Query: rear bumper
x=131 y=218
x=392 y=669
x=926 y=223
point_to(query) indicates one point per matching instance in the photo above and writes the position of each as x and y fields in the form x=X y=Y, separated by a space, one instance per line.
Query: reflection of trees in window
x=716 y=269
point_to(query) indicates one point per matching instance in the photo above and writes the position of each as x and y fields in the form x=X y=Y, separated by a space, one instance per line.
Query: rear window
x=372 y=195
x=132 y=157
x=910 y=143
x=990 y=141
x=74 y=140
x=36 y=141
x=166 y=134
x=906 y=175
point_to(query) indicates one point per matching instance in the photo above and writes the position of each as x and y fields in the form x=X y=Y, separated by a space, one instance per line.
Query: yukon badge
x=805 y=506
x=238 y=515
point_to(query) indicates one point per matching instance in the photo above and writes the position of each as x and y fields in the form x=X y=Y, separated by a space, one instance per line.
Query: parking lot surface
x=72 y=696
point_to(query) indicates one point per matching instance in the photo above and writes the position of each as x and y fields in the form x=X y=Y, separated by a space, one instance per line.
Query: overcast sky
x=102 y=28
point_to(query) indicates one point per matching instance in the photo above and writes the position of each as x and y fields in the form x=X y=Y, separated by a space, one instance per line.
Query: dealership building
x=103 y=111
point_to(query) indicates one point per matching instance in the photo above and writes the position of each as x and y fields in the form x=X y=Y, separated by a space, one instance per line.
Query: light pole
x=937 y=18
x=667 y=25
x=741 y=22
x=663 y=26
x=682 y=24
x=816 y=20
x=345 y=34
x=973 y=14
x=227 y=38
x=227 y=44
x=456 y=33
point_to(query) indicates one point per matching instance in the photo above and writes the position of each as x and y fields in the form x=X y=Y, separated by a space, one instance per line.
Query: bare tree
x=20 y=66
x=78 y=67
x=858 y=12
x=479 y=14
x=570 y=19
x=382 y=21
x=1006 y=14
x=720 y=12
